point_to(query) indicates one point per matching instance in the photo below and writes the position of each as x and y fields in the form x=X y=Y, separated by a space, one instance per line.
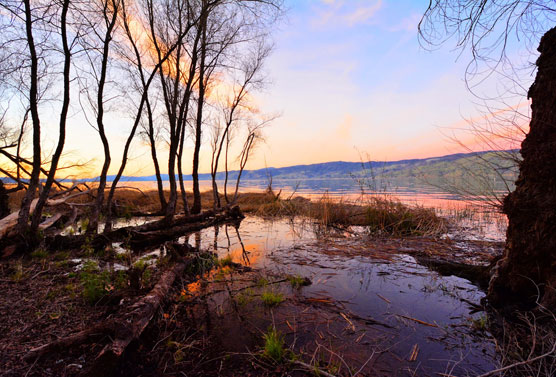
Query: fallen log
x=145 y=239
x=131 y=325
x=8 y=223
x=124 y=327
x=146 y=234
x=81 y=337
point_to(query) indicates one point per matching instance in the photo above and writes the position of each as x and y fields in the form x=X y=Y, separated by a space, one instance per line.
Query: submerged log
x=147 y=234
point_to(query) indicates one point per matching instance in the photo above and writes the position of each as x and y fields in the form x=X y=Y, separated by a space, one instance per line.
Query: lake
x=476 y=216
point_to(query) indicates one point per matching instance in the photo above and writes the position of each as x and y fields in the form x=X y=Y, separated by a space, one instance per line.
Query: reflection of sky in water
x=364 y=285
x=479 y=221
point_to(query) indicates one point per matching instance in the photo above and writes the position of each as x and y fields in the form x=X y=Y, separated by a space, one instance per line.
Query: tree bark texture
x=526 y=275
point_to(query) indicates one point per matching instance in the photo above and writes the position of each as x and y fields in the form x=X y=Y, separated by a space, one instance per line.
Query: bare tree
x=101 y=19
x=66 y=77
x=146 y=77
x=177 y=75
x=235 y=107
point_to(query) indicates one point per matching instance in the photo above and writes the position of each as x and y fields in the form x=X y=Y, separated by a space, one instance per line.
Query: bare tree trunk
x=180 y=176
x=97 y=208
x=243 y=161
x=152 y=142
x=526 y=275
x=226 y=168
x=22 y=225
x=196 y=207
x=63 y=117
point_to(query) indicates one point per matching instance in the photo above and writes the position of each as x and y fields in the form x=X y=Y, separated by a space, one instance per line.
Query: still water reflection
x=395 y=299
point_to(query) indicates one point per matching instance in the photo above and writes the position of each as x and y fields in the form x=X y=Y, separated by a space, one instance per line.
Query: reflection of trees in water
x=244 y=252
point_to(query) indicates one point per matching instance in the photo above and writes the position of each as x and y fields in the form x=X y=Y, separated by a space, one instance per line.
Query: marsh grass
x=379 y=215
x=270 y=298
x=274 y=345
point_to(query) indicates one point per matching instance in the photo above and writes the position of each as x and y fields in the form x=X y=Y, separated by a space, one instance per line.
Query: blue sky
x=351 y=77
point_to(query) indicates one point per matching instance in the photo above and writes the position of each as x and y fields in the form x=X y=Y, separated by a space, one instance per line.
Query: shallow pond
x=379 y=309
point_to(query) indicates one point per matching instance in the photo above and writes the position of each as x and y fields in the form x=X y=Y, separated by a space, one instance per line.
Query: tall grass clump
x=274 y=345
x=386 y=216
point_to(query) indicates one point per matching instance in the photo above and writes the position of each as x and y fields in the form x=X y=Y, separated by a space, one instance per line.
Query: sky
x=349 y=80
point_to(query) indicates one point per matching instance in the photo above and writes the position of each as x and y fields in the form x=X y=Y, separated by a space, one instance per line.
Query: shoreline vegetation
x=379 y=214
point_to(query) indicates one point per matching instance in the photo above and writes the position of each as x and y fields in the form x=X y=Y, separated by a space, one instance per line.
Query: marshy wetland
x=297 y=287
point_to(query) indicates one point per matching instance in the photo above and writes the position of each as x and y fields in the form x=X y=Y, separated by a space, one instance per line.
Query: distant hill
x=449 y=165
x=495 y=166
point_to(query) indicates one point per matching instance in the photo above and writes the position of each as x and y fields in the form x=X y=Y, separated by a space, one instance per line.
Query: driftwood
x=8 y=223
x=125 y=327
x=131 y=325
x=50 y=221
x=148 y=234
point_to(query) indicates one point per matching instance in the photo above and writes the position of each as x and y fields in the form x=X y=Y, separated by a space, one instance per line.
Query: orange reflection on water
x=252 y=253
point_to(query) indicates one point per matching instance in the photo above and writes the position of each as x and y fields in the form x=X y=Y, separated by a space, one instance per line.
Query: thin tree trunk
x=152 y=141
x=196 y=207
x=227 y=171
x=243 y=162
x=93 y=224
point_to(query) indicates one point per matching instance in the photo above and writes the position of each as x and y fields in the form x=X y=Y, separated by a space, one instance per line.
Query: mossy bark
x=526 y=275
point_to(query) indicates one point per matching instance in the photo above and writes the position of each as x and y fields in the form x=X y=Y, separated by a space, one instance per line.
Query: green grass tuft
x=39 y=253
x=94 y=282
x=298 y=281
x=274 y=345
x=226 y=261
x=272 y=298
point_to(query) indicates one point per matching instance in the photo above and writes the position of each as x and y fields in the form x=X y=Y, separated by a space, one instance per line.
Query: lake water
x=376 y=306
x=476 y=216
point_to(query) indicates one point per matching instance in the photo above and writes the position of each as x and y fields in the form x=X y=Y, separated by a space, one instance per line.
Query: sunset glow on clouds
x=348 y=77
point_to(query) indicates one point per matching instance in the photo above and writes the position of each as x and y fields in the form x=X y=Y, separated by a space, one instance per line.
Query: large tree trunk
x=526 y=275
x=36 y=218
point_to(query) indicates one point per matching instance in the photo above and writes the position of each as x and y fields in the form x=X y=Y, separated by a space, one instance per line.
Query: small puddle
x=379 y=309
